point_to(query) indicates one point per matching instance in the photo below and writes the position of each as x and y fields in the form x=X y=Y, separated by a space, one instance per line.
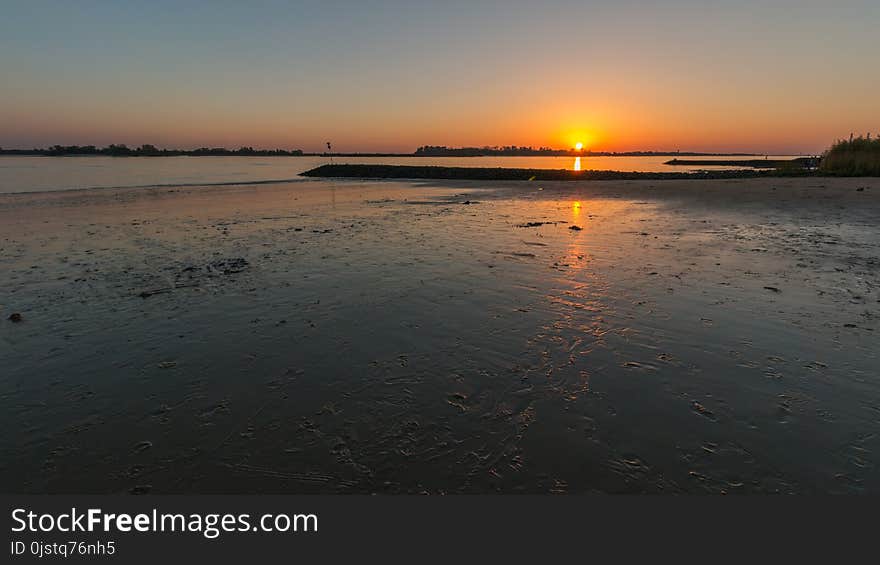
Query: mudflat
x=443 y=337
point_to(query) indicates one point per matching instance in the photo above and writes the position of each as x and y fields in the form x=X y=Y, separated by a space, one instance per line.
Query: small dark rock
x=143 y=446
x=773 y=288
x=531 y=224
x=15 y=317
x=229 y=266
x=575 y=228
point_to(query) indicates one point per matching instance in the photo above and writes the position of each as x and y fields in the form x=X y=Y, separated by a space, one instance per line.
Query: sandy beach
x=443 y=337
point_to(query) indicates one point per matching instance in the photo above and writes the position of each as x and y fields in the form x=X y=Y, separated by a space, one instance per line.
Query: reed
x=856 y=157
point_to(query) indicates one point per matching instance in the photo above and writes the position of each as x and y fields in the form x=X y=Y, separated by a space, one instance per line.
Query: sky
x=781 y=77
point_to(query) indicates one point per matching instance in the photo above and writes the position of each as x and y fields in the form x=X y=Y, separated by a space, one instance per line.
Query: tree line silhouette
x=522 y=151
x=147 y=150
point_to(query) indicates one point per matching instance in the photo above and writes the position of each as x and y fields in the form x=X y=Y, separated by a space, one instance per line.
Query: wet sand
x=445 y=337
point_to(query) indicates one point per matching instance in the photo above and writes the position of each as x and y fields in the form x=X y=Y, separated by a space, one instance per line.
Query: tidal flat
x=329 y=336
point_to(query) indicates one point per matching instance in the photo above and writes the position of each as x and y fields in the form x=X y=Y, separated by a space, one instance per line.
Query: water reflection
x=576 y=253
x=577 y=163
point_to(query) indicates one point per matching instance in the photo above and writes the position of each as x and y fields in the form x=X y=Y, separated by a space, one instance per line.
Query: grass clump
x=856 y=157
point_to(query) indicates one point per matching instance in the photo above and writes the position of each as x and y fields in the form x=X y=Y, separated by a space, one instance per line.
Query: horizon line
x=17 y=148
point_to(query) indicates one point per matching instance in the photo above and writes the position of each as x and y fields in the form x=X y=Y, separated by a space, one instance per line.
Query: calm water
x=37 y=174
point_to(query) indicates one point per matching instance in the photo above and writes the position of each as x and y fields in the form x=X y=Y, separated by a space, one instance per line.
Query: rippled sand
x=411 y=337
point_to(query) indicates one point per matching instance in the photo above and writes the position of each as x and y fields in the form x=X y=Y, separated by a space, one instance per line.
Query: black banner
x=268 y=529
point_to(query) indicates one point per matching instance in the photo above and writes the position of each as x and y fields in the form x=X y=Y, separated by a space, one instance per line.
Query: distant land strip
x=147 y=150
x=478 y=173
x=800 y=162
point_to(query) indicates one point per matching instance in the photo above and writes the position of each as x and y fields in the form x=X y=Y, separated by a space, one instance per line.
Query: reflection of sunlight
x=577 y=163
x=576 y=254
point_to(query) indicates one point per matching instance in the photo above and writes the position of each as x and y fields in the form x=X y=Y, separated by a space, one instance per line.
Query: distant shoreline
x=31 y=153
x=77 y=151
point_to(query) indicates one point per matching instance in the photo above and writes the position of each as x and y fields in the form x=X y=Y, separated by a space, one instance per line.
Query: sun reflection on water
x=577 y=163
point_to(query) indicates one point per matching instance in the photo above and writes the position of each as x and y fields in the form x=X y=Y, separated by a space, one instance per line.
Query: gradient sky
x=779 y=76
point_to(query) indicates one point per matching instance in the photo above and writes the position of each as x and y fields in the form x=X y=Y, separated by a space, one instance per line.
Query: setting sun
x=579 y=145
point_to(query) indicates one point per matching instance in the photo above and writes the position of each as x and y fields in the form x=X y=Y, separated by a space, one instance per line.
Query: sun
x=579 y=145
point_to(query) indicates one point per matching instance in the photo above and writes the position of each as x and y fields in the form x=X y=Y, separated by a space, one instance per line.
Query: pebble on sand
x=15 y=317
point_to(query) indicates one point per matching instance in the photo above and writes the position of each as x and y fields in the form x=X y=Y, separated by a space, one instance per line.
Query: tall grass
x=857 y=157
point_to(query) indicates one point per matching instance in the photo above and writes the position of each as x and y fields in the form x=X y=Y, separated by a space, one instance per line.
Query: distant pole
x=330 y=151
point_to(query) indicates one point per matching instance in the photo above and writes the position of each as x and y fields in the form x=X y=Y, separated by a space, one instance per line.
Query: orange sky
x=392 y=76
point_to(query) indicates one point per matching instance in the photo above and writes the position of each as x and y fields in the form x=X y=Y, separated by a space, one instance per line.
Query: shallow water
x=34 y=174
x=399 y=337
